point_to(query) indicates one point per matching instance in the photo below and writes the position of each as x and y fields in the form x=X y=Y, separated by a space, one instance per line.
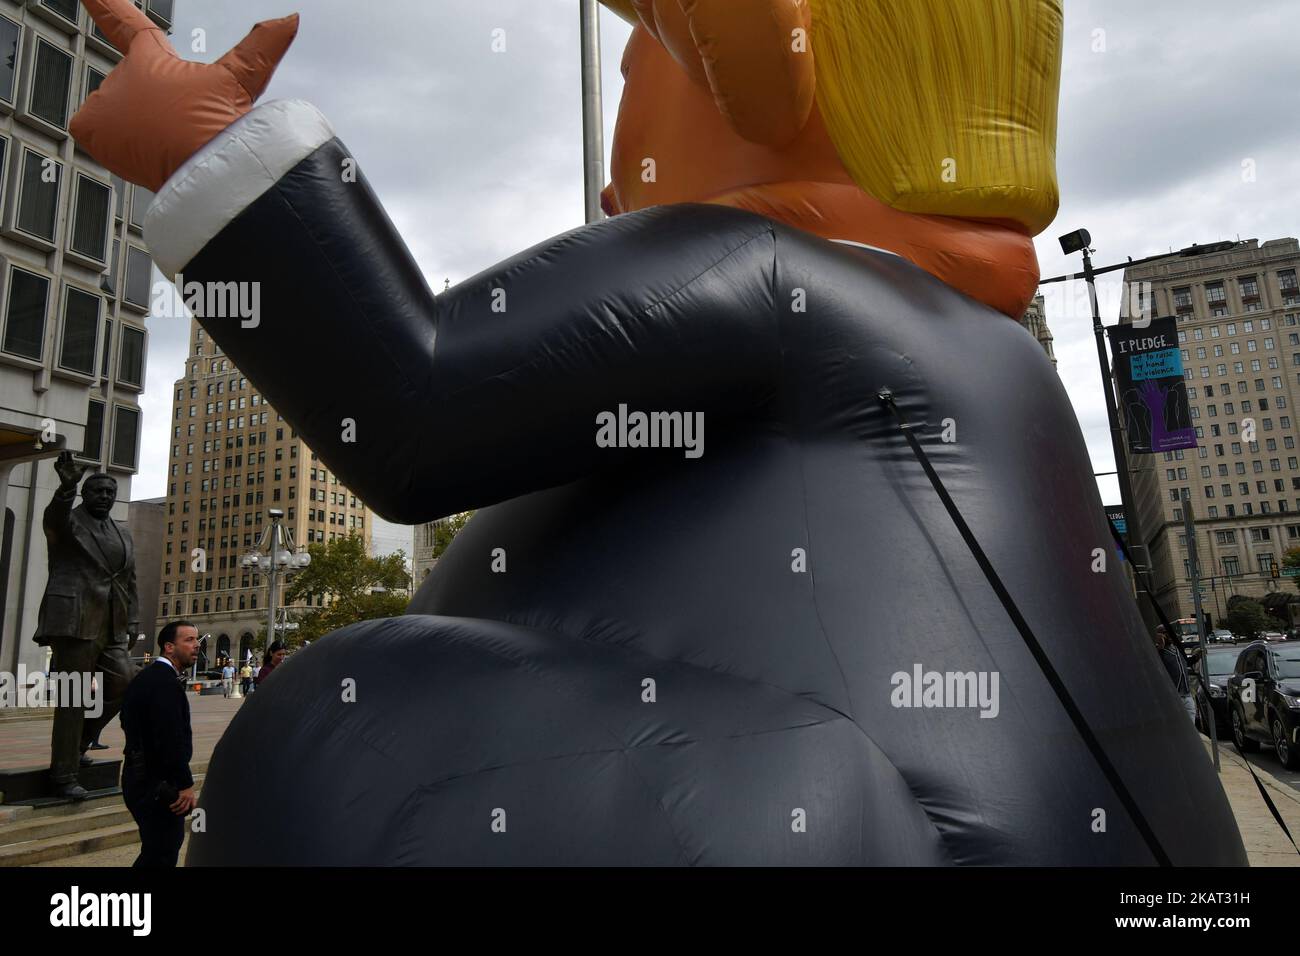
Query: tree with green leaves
x=1291 y=560
x=347 y=585
x=446 y=529
x=1248 y=619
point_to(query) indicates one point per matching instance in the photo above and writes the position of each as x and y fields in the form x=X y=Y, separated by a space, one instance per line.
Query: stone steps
x=60 y=832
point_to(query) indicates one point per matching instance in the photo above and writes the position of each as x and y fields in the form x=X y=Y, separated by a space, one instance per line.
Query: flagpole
x=593 y=134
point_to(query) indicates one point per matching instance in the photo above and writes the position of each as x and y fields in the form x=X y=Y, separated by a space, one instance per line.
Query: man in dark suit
x=89 y=610
x=156 y=781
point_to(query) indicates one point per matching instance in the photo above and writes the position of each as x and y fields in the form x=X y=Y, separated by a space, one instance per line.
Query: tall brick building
x=1238 y=316
x=232 y=458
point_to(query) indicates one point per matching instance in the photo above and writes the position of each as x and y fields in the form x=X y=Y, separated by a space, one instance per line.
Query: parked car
x=1222 y=664
x=1264 y=700
x=1221 y=636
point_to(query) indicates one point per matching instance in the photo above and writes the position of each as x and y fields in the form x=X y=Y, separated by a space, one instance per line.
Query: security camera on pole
x=275 y=554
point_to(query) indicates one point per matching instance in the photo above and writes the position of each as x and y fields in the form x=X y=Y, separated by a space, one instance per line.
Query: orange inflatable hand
x=155 y=110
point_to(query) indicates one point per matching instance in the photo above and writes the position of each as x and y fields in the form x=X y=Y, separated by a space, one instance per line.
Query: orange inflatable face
x=673 y=144
x=921 y=127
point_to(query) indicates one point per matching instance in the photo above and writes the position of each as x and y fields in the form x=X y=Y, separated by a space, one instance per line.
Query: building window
x=92 y=447
x=1214 y=293
x=140 y=200
x=25 y=314
x=90 y=219
x=108 y=348
x=94 y=80
x=161 y=10
x=1183 y=299
x=81 y=311
x=51 y=84
x=1231 y=565
x=1248 y=287
x=139 y=271
x=108 y=282
x=64 y=8
x=126 y=435
x=10 y=38
x=130 y=365
x=38 y=195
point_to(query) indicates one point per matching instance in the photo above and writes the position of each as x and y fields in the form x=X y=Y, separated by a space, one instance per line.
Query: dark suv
x=1264 y=700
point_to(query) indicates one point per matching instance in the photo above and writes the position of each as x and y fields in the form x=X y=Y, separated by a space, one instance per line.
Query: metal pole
x=1189 y=527
x=593 y=133
x=270 y=600
x=1136 y=542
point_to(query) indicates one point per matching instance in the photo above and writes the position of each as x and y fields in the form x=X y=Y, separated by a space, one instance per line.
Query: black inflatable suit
x=634 y=656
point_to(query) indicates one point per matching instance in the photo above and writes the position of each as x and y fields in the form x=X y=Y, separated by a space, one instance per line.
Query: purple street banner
x=1152 y=393
x=1115 y=515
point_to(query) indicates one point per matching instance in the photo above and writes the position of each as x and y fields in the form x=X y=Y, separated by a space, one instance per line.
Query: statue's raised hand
x=68 y=470
x=155 y=110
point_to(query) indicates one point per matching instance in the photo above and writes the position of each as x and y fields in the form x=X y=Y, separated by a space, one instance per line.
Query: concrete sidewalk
x=1266 y=844
x=26 y=743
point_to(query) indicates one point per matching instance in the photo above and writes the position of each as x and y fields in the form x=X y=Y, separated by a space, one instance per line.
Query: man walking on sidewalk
x=156 y=782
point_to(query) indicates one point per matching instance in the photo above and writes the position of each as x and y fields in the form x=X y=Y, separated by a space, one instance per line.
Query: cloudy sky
x=478 y=154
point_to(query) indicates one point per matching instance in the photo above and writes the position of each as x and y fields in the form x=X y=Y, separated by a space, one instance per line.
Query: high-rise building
x=147 y=521
x=1238 y=317
x=75 y=283
x=1035 y=320
x=232 y=458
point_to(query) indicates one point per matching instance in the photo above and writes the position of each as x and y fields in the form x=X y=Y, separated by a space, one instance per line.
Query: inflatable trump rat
x=712 y=609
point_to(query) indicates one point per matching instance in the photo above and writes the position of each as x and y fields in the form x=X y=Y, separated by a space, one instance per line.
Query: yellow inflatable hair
x=942 y=107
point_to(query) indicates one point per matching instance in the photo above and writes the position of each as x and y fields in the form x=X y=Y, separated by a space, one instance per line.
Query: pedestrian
x=274 y=656
x=245 y=677
x=1176 y=665
x=157 y=786
x=228 y=678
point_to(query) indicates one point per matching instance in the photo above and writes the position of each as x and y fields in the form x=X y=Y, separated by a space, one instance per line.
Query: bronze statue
x=89 y=611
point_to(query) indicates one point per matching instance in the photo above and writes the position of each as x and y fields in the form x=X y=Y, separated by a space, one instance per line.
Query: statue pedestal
x=32 y=786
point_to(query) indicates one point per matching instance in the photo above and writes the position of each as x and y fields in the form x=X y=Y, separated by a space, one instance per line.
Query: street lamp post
x=275 y=555
x=1081 y=241
x=194 y=664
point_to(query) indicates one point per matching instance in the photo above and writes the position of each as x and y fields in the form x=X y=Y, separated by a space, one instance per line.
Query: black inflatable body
x=635 y=656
